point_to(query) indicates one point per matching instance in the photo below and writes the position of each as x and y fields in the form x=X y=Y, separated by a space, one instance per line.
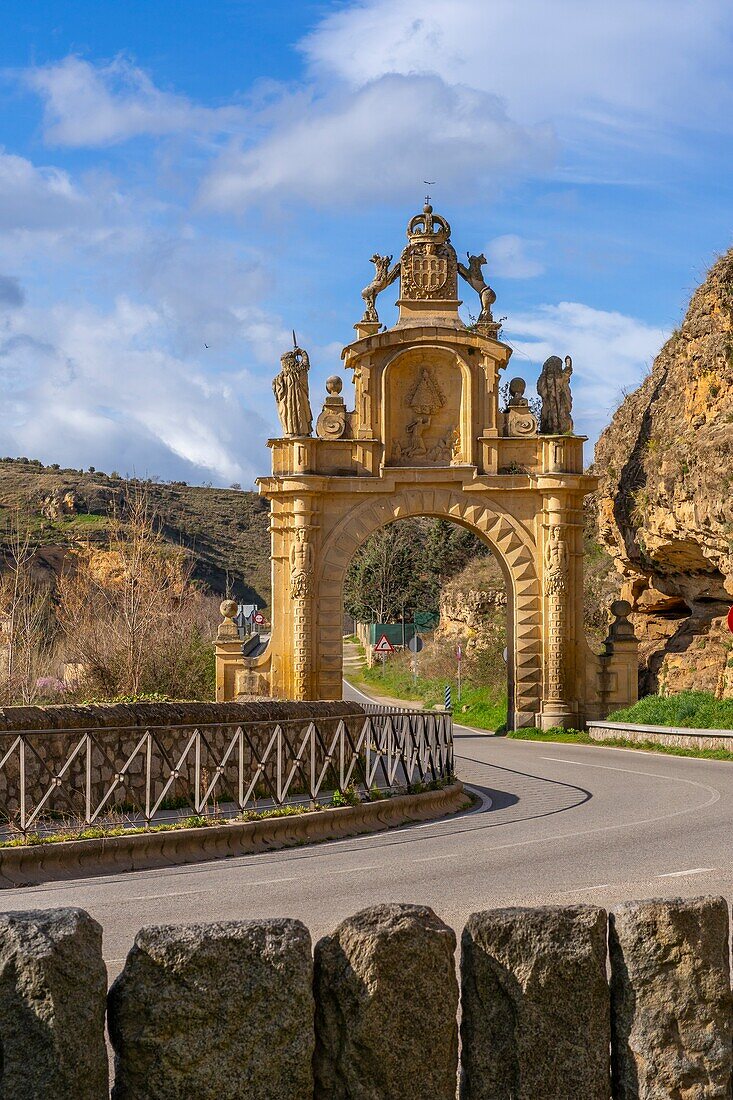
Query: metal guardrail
x=203 y=765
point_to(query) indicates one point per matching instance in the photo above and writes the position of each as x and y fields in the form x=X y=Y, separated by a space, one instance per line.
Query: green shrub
x=349 y=796
x=688 y=709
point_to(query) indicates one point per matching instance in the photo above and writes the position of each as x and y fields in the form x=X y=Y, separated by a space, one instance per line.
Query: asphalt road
x=564 y=823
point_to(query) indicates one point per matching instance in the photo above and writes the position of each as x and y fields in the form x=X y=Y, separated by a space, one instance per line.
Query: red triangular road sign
x=384 y=645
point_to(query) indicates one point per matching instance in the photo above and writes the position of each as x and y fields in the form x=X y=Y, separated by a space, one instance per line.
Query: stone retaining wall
x=245 y=1009
x=118 y=728
x=663 y=735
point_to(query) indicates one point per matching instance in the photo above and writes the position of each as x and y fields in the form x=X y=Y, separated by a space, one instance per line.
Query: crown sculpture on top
x=428 y=270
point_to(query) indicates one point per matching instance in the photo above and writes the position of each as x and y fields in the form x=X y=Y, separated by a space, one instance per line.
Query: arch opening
x=512 y=546
x=440 y=581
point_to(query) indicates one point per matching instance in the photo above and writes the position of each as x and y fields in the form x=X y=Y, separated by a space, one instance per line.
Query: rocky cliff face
x=665 y=504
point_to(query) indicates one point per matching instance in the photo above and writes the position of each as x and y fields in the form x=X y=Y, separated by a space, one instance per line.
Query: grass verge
x=479 y=706
x=196 y=821
x=578 y=737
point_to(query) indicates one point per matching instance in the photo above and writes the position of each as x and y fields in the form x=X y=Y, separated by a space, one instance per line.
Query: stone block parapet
x=240 y=1010
x=677 y=736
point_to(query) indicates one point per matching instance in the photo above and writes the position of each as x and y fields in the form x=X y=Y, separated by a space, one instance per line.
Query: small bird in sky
x=206 y=345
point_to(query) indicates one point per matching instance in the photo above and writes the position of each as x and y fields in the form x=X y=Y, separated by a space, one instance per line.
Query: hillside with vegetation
x=223 y=531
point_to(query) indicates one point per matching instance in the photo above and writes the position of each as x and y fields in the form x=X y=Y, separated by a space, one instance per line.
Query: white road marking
x=652 y=775
x=430 y=859
x=692 y=871
x=355 y=870
x=268 y=881
x=582 y=889
x=157 y=897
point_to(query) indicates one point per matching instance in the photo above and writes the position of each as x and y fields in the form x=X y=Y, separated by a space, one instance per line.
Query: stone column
x=386 y=1003
x=559 y=627
x=535 y=1004
x=302 y=594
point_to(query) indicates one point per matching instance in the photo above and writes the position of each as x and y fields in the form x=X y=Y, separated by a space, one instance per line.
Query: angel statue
x=291 y=393
x=384 y=276
x=475 y=278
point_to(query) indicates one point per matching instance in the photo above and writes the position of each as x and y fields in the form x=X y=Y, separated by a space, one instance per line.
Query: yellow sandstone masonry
x=428 y=438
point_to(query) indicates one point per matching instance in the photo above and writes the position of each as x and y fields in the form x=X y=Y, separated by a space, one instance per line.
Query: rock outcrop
x=665 y=507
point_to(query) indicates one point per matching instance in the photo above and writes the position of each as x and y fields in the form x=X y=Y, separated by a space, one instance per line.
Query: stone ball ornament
x=621 y=609
x=517 y=386
x=334 y=384
x=228 y=608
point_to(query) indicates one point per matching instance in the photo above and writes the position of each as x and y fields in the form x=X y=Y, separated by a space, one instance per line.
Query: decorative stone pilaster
x=556 y=710
x=302 y=562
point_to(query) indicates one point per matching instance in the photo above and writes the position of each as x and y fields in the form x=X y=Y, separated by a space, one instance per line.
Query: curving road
x=558 y=823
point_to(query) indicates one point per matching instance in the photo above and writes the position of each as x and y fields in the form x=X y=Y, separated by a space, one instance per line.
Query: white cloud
x=35 y=199
x=611 y=352
x=377 y=143
x=661 y=60
x=508 y=257
x=92 y=105
x=83 y=386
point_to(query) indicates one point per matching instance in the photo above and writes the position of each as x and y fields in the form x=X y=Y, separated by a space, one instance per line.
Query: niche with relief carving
x=424 y=409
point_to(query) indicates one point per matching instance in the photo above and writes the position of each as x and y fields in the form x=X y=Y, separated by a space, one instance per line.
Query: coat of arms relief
x=428 y=265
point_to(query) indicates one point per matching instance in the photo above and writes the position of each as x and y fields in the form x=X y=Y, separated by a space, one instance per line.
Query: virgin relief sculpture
x=291 y=393
x=425 y=400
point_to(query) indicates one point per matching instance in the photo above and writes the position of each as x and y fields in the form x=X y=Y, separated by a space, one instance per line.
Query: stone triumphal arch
x=430 y=436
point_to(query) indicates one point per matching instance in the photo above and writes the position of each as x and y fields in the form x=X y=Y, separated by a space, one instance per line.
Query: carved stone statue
x=301 y=565
x=553 y=386
x=475 y=278
x=384 y=276
x=291 y=393
x=557 y=561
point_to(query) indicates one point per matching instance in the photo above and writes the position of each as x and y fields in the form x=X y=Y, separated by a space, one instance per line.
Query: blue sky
x=175 y=175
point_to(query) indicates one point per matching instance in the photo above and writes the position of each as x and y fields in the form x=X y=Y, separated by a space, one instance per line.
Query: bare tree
x=133 y=621
x=25 y=606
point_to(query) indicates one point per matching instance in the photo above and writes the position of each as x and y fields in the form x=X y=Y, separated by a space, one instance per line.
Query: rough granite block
x=215 y=1012
x=386 y=1005
x=535 y=1005
x=672 y=1019
x=53 y=988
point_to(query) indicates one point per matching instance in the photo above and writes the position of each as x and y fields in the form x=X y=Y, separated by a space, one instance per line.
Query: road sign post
x=383 y=648
x=415 y=644
x=459 y=655
x=448 y=700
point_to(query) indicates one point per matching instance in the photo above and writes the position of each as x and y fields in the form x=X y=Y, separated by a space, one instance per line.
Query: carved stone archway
x=513 y=547
x=427 y=437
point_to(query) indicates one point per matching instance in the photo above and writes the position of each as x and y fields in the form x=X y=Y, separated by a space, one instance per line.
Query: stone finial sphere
x=334 y=384
x=228 y=608
x=620 y=608
x=517 y=386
